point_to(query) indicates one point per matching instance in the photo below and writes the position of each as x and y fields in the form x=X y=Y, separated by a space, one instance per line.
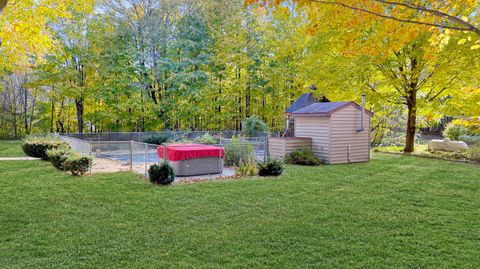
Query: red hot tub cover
x=178 y=152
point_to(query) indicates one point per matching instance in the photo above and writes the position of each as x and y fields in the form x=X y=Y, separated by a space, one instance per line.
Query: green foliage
x=389 y=149
x=37 y=146
x=270 y=168
x=473 y=153
x=77 y=164
x=454 y=132
x=237 y=151
x=246 y=168
x=161 y=174
x=58 y=156
x=253 y=125
x=207 y=139
x=302 y=157
x=472 y=124
x=470 y=139
x=158 y=139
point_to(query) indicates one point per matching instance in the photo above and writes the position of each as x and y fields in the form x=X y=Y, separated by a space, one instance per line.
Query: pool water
x=137 y=158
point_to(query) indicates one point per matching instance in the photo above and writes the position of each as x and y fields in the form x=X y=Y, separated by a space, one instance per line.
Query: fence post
x=164 y=153
x=265 y=150
x=90 y=154
x=146 y=158
x=131 y=155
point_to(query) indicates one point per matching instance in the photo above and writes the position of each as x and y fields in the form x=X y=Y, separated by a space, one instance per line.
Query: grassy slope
x=394 y=211
x=11 y=149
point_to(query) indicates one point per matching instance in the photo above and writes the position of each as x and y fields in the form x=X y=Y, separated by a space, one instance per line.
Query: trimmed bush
x=270 y=168
x=303 y=157
x=158 y=139
x=77 y=164
x=253 y=125
x=37 y=146
x=238 y=151
x=454 y=132
x=58 y=156
x=161 y=174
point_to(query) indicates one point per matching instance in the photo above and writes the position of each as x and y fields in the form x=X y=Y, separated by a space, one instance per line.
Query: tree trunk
x=80 y=109
x=25 y=109
x=52 y=116
x=411 y=121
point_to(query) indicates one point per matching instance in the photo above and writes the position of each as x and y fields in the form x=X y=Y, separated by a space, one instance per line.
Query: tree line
x=141 y=65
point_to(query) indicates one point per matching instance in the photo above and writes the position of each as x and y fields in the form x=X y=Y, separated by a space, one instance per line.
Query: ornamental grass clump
x=161 y=174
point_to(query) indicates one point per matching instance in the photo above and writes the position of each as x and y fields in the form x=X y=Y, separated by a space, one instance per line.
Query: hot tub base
x=197 y=166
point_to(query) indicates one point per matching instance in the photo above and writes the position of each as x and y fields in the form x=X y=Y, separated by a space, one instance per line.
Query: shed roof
x=304 y=100
x=326 y=109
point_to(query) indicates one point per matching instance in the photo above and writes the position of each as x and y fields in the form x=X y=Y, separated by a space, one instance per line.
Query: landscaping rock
x=447 y=145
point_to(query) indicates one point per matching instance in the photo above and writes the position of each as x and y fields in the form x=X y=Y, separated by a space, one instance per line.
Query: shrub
x=161 y=174
x=473 y=153
x=303 y=157
x=58 y=156
x=77 y=164
x=454 y=132
x=270 y=168
x=253 y=125
x=158 y=139
x=472 y=124
x=470 y=139
x=207 y=139
x=37 y=146
x=237 y=151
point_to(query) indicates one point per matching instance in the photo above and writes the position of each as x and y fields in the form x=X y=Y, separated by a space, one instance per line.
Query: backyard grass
x=11 y=149
x=392 y=212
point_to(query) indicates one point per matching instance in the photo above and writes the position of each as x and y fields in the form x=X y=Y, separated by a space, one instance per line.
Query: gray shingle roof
x=304 y=100
x=320 y=108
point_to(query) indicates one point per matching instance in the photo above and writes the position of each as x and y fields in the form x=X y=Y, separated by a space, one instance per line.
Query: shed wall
x=318 y=129
x=279 y=147
x=343 y=133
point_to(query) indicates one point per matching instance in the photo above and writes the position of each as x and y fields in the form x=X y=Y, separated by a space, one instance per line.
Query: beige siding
x=316 y=128
x=343 y=133
x=276 y=148
x=279 y=147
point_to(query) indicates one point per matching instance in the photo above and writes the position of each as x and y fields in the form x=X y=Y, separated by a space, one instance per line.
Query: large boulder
x=447 y=145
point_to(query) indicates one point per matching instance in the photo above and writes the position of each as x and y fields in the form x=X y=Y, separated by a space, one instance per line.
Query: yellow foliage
x=24 y=31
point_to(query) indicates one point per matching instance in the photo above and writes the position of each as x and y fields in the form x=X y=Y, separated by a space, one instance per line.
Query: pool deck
x=105 y=165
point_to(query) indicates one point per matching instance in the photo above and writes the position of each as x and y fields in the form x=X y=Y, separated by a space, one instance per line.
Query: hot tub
x=194 y=159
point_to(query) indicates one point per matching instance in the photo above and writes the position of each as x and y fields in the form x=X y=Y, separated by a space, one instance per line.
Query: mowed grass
x=392 y=212
x=11 y=148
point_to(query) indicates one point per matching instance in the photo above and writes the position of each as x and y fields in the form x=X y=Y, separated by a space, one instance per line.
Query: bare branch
x=469 y=27
x=437 y=13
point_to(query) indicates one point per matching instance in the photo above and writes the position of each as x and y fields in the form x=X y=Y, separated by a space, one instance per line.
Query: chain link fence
x=185 y=151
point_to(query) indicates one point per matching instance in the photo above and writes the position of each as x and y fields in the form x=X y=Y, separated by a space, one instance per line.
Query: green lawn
x=394 y=211
x=11 y=149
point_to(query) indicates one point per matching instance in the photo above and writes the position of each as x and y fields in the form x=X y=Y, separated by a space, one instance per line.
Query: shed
x=338 y=131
